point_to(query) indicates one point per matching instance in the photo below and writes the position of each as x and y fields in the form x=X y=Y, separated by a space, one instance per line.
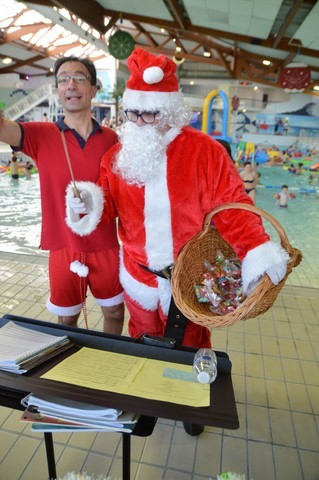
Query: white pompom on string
x=153 y=75
x=79 y=268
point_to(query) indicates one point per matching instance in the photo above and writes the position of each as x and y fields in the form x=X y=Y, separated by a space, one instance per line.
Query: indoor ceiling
x=212 y=39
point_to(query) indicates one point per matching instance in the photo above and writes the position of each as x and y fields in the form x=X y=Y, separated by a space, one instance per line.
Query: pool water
x=300 y=220
x=274 y=177
x=20 y=217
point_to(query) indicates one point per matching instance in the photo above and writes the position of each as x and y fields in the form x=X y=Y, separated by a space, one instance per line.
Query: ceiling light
x=207 y=54
x=191 y=82
x=266 y=62
x=178 y=49
x=255 y=87
x=6 y=60
x=316 y=87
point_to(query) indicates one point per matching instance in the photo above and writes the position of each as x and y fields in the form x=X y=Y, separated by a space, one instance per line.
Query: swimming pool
x=20 y=217
x=274 y=177
x=300 y=220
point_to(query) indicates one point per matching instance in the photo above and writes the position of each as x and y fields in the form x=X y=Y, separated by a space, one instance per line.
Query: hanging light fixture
x=178 y=57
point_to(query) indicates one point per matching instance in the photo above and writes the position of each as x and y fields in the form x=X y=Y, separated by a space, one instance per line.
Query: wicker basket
x=189 y=266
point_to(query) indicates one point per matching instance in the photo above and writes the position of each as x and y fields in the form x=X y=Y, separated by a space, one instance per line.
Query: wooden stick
x=75 y=190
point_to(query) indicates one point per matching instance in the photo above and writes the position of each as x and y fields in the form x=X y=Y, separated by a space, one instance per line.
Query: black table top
x=221 y=413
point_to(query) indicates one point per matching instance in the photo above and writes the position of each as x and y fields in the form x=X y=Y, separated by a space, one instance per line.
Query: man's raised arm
x=9 y=131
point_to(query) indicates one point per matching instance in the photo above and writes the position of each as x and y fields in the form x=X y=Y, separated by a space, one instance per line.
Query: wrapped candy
x=221 y=285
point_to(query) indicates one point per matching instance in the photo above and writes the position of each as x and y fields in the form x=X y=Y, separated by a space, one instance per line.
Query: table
x=221 y=413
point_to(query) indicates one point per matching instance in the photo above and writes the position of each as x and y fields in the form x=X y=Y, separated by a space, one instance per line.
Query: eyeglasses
x=147 y=117
x=65 y=79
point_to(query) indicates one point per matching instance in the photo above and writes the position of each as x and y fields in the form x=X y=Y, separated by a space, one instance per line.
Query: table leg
x=126 y=456
x=49 y=448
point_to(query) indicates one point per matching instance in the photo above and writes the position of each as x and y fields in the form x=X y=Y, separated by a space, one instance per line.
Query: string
x=82 y=292
x=75 y=190
x=82 y=255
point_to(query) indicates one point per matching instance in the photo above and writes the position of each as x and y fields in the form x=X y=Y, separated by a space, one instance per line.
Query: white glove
x=277 y=272
x=82 y=205
x=268 y=258
x=84 y=214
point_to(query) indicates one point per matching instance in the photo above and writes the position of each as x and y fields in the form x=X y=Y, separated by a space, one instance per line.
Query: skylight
x=16 y=16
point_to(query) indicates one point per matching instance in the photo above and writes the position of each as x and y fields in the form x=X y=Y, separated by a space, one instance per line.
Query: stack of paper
x=49 y=414
x=23 y=348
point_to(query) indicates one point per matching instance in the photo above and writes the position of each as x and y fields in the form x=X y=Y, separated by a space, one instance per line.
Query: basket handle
x=258 y=211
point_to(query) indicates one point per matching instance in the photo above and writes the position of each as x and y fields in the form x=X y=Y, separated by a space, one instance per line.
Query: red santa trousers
x=154 y=322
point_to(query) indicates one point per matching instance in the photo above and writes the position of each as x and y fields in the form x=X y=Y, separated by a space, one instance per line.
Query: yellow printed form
x=97 y=369
x=126 y=374
x=170 y=382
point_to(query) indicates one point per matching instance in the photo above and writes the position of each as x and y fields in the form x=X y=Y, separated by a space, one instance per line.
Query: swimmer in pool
x=284 y=196
x=250 y=178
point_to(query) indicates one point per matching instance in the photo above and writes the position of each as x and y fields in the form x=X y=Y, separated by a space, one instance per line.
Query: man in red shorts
x=75 y=263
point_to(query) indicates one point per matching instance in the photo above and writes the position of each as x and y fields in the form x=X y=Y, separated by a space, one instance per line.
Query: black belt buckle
x=167 y=272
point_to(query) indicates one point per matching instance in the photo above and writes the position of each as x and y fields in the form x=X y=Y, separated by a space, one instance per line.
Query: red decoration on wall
x=235 y=102
x=295 y=77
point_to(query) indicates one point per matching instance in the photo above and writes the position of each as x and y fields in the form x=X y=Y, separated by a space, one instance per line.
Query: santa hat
x=152 y=84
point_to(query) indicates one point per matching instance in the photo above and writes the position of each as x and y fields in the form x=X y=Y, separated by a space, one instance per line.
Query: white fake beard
x=142 y=152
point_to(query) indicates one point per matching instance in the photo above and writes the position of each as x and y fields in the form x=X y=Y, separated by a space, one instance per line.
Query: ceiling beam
x=226 y=64
x=86 y=10
x=21 y=63
x=89 y=11
x=233 y=60
x=170 y=53
x=289 y=58
x=178 y=12
x=283 y=28
x=25 y=30
x=144 y=32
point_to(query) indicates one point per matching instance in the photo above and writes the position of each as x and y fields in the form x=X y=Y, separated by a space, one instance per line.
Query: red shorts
x=154 y=322
x=68 y=290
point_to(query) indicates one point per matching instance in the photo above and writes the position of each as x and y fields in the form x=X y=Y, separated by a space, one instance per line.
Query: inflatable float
x=21 y=170
x=314 y=168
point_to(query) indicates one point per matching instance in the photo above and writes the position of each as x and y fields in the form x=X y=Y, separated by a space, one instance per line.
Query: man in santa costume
x=160 y=181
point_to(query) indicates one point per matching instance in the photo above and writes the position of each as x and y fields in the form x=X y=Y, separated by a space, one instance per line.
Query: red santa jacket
x=155 y=221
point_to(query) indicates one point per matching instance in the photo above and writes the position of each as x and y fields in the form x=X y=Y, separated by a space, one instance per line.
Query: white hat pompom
x=153 y=75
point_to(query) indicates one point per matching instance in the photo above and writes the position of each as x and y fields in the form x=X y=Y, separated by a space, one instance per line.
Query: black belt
x=164 y=273
x=176 y=321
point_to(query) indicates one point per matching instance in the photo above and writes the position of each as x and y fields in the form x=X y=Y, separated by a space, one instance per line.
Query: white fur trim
x=110 y=302
x=171 y=134
x=157 y=223
x=63 y=311
x=151 y=101
x=146 y=296
x=165 y=293
x=88 y=223
x=153 y=75
x=259 y=259
x=79 y=268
